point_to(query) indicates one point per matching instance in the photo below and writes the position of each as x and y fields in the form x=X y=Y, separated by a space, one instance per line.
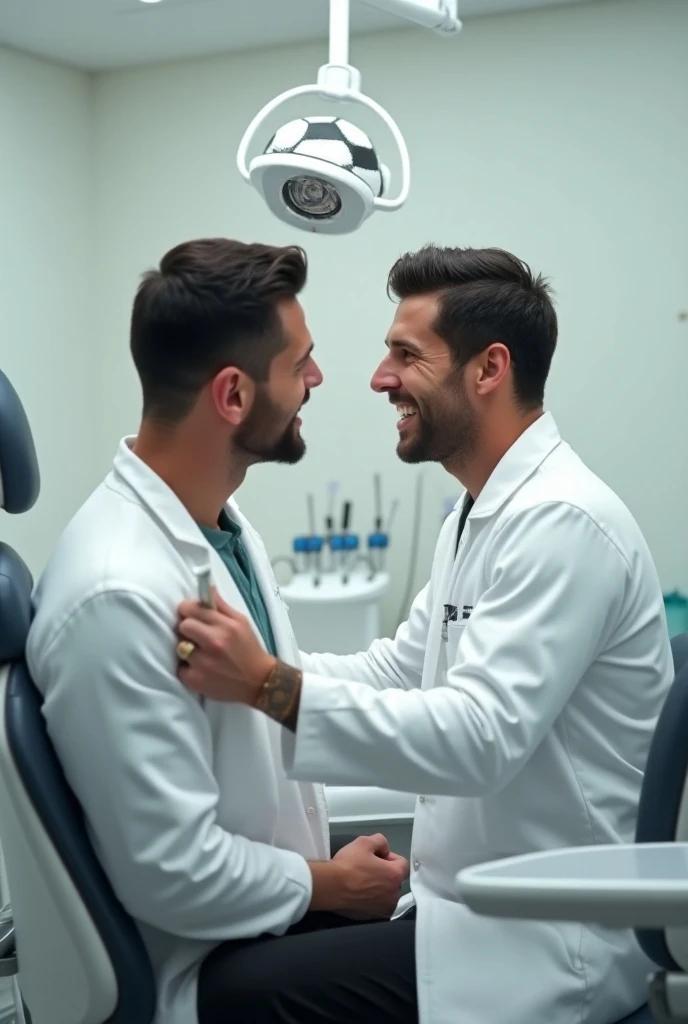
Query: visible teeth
x=405 y=411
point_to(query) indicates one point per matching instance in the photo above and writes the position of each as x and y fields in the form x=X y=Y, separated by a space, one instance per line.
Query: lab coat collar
x=516 y=465
x=161 y=501
x=174 y=519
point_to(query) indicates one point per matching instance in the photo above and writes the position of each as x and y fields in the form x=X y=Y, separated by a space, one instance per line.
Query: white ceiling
x=102 y=34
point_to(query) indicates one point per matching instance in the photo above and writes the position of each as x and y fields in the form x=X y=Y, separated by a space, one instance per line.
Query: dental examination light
x=323 y=174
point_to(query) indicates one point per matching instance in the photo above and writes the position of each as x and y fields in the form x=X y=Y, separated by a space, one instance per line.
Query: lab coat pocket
x=452 y=644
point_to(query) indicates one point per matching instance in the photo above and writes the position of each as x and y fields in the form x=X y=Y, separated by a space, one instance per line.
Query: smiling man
x=521 y=695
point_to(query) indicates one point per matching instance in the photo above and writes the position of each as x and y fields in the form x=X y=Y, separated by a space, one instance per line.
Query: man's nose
x=385 y=378
x=313 y=377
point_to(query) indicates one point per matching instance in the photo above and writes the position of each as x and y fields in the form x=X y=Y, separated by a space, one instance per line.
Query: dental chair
x=642 y=885
x=77 y=955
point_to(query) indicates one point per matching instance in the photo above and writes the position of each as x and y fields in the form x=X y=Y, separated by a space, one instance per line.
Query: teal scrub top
x=228 y=544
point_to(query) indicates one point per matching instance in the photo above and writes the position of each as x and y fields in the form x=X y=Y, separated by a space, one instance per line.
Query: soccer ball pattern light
x=335 y=141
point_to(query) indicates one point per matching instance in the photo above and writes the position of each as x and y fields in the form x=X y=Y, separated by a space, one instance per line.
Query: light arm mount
x=439 y=15
x=340 y=82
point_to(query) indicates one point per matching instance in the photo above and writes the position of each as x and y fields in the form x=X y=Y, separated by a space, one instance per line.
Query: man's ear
x=233 y=393
x=494 y=364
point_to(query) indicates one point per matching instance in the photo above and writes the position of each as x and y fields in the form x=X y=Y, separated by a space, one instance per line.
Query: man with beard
x=520 y=697
x=206 y=842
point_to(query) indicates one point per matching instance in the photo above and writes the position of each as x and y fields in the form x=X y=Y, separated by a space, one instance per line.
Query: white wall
x=46 y=288
x=559 y=134
x=46 y=284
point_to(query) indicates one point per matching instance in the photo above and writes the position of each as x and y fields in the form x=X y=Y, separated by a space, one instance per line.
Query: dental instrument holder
x=336 y=606
x=378 y=542
x=301 y=548
x=344 y=547
x=315 y=546
x=336 y=542
x=333 y=615
x=349 y=547
x=311 y=549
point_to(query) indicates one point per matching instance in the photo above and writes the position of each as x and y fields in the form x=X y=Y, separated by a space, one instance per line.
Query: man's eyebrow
x=401 y=343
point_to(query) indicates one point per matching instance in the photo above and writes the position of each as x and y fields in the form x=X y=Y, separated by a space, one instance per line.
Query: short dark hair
x=486 y=295
x=212 y=303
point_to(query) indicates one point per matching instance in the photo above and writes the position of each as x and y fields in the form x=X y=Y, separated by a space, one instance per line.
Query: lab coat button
x=421 y=799
x=311 y=810
x=416 y=865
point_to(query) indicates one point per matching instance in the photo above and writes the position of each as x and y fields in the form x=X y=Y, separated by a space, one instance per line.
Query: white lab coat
x=528 y=729
x=201 y=833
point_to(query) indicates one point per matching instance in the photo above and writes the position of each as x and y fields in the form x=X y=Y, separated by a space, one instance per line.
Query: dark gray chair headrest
x=661 y=795
x=19 y=476
x=679 y=649
x=15 y=604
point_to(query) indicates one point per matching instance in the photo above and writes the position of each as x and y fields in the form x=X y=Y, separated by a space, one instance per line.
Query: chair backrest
x=663 y=797
x=20 y=479
x=81 y=958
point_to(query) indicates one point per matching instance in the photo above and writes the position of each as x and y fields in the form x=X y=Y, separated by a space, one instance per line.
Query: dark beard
x=289 y=450
x=258 y=441
x=447 y=432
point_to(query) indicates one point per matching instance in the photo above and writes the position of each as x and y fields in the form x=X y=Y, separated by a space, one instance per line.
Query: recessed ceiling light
x=150 y=1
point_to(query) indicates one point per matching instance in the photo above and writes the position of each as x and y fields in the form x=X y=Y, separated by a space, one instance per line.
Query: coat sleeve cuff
x=296 y=869
x=304 y=753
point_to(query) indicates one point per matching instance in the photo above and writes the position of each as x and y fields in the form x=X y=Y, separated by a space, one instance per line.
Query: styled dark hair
x=212 y=303
x=486 y=295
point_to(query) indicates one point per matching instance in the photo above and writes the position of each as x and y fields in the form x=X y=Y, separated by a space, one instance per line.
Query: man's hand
x=227 y=662
x=362 y=880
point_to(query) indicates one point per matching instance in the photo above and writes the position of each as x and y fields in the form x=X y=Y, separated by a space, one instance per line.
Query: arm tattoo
x=280 y=695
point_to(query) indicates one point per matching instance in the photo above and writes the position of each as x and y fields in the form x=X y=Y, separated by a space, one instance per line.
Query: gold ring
x=185 y=649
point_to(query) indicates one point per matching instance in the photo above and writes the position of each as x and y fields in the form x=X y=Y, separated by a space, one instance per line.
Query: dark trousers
x=324 y=970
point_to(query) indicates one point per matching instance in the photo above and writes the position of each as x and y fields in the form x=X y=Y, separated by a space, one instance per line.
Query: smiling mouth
x=407 y=413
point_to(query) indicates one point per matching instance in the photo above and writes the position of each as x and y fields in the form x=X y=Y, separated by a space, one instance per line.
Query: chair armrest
x=7 y=945
x=620 y=886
